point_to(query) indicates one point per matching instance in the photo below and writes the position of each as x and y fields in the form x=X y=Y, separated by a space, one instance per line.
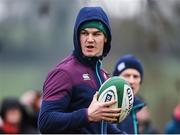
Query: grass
x=14 y=80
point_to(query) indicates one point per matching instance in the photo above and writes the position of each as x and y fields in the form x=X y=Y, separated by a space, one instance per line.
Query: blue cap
x=128 y=61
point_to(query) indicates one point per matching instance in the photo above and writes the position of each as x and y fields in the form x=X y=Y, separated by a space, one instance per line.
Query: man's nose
x=90 y=38
x=131 y=79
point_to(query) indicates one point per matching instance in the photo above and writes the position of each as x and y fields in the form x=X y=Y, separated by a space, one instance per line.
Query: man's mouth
x=89 y=46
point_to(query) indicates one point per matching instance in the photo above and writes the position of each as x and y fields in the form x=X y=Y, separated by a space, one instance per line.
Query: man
x=130 y=68
x=70 y=91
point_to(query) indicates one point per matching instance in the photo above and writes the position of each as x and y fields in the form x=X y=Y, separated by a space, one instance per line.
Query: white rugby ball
x=118 y=89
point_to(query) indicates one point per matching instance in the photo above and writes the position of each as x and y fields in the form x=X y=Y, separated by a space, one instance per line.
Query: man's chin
x=90 y=55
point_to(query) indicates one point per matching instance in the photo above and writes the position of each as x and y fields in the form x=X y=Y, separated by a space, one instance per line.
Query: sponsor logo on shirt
x=86 y=77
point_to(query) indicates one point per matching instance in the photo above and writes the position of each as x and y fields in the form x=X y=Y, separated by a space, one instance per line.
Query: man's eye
x=98 y=33
x=136 y=76
x=126 y=75
x=83 y=33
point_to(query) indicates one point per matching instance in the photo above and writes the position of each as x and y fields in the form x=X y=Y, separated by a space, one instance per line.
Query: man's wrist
x=90 y=119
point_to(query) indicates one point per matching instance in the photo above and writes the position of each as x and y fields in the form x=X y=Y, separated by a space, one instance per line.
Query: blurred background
x=36 y=34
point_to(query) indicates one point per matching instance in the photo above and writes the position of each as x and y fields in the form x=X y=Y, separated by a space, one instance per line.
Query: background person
x=15 y=118
x=173 y=126
x=31 y=100
x=144 y=122
x=131 y=69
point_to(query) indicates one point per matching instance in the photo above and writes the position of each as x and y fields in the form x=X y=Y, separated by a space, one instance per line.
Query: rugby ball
x=118 y=89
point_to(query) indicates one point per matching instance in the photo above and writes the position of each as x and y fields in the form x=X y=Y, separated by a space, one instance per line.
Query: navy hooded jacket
x=69 y=88
x=130 y=123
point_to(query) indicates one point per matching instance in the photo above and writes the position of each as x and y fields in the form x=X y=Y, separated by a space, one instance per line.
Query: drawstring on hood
x=90 y=14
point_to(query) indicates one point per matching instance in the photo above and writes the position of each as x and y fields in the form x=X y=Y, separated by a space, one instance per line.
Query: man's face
x=133 y=77
x=92 y=42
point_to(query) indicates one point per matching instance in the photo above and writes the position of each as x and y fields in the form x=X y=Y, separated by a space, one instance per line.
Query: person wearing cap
x=131 y=69
x=69 y=102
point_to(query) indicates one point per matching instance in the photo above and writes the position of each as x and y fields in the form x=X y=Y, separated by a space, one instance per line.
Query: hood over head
x=91 y=14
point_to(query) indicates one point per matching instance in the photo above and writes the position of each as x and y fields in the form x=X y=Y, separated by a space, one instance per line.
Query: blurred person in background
x=14 y=117
x=173 y=126
x=70 y=91
x=32 y=99
x=130 y=68
x=144 y=122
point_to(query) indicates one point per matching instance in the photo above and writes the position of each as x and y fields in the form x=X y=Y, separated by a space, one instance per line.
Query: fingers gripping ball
x=118 y=89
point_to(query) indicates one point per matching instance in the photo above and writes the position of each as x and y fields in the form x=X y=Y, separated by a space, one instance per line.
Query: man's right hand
x=98 y=111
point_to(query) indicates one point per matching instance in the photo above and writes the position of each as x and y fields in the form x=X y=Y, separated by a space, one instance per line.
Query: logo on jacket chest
x=86 y=77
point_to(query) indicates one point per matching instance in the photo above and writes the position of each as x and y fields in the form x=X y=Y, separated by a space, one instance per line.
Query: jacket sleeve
x=112 y=129
x=53 y=116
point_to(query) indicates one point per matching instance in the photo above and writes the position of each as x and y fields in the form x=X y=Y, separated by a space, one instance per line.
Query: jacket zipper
x=103 y=123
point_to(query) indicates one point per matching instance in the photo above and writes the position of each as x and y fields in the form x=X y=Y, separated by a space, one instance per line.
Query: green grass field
x=14 y=80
